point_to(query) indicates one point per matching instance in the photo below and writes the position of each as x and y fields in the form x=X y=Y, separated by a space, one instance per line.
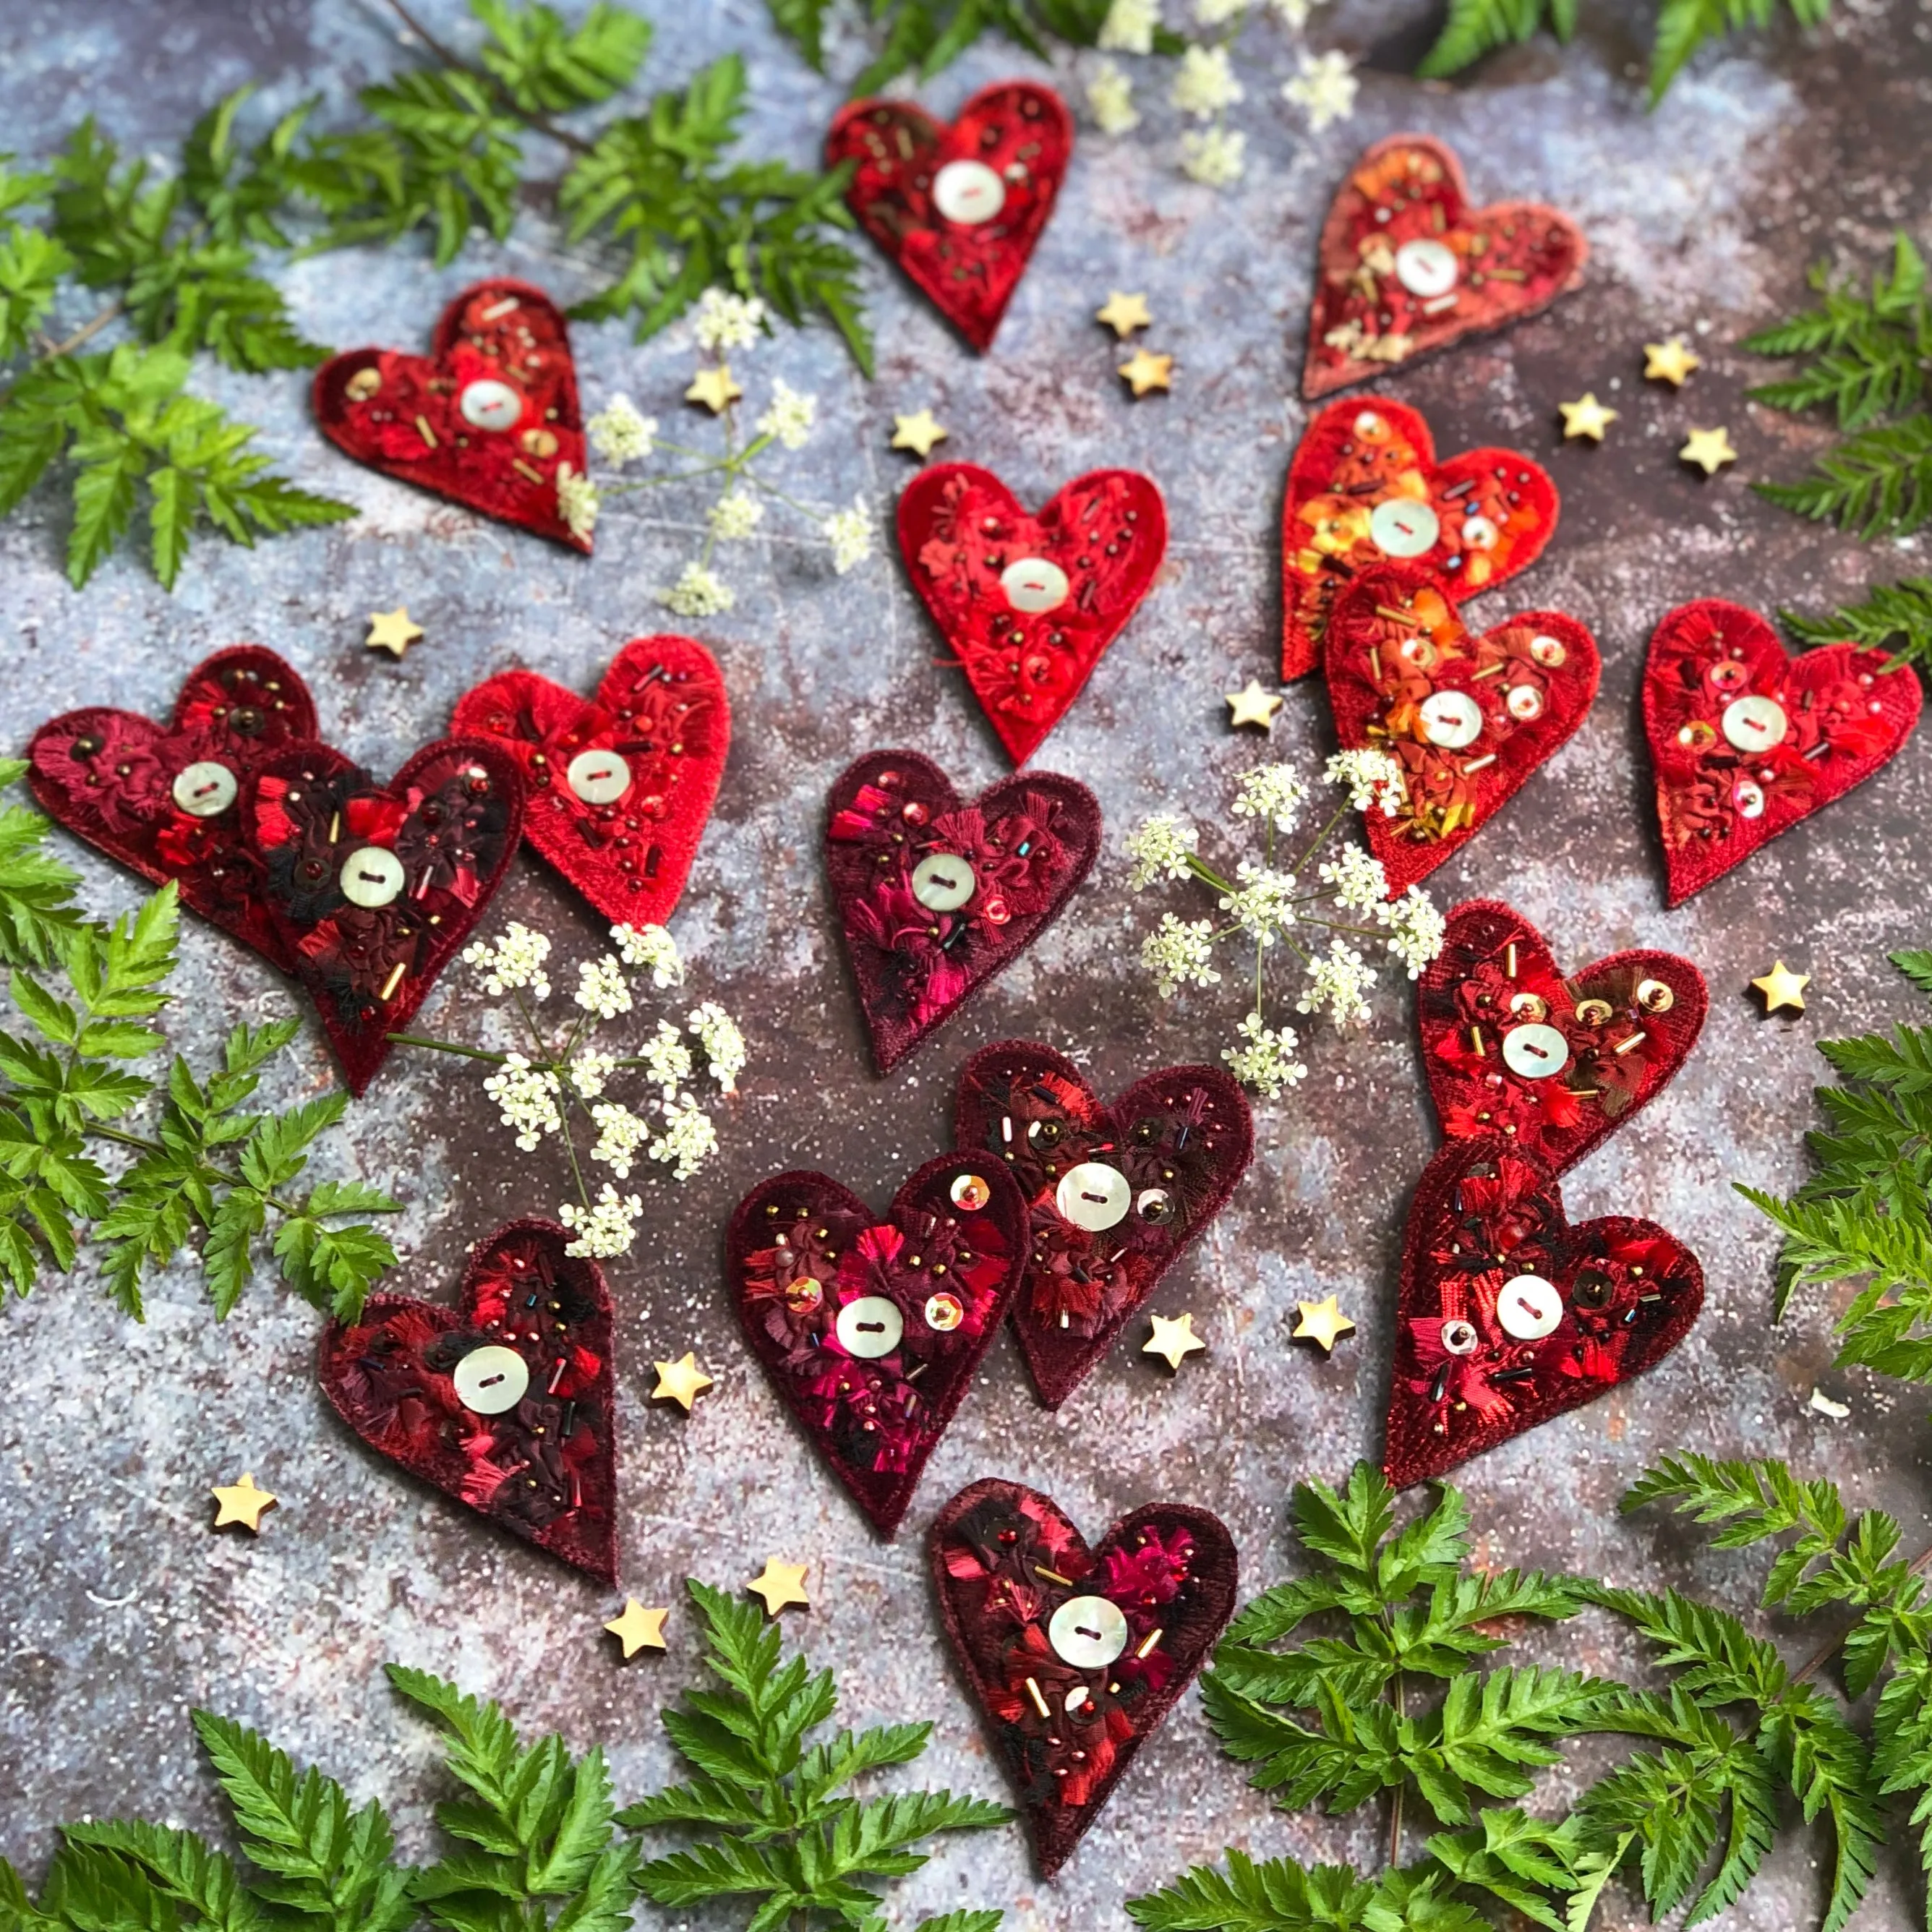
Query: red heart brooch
x=166 y=800
x=1116 y=1194
x=1746 y=740
x=373 y=887
x=871 y=1329
x=1510 y=1314
x=1365 y=487
x=1030 y=603
x=617 y=788
x=958 y=208
x=488 y=418
x=1407 y=266
x=1076 y=1656
x=503 y=1402
x=1466 y=716
x=1555 y=1065
x=936 y=895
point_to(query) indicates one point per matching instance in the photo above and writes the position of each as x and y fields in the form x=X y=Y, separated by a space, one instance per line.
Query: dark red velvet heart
x=373 y=888
x=1509 y=1314
x=488 y=418
x=166 y=799
x=1029 y=602
x=1555 y=1065
x=436 y=1389
x=936 y=894
x=1365 y=486
x=871 y=1328
x=1747 y=740
x=1076 y=1656
x=656 y=732
x=1467 y=716
x=1406 y=266
x=958 y=207
x=1117 y=1194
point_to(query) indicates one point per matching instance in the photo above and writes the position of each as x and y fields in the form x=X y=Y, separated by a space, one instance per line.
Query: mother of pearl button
x=371 y=876
x=943 y=882
x=1535 y=1051
x=486 y=403
x=1451 y=719
x=492 y=1380
x=1087 y=1632
x=968 y=193
x=1032 y=585
x=205 y=788
x=1400 y=527
x=598 y=778
x=1425 y=268
x=870 y=1327
x=1093 y=1196
x=1754 y=724
x=1528 y=1307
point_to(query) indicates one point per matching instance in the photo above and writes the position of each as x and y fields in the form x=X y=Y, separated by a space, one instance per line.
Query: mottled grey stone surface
x=122 y=1610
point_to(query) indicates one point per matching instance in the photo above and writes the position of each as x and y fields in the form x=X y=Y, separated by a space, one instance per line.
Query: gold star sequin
x=1782 y=988
x=714 y=388
x=1252 y=706
x=1321 y=1322
x=1710 y=449
x=681 y=1381
x=1144 y=372
x=1174 y=1341
x=1670 y=361
x=917 y=433
x=241 y=1502
x=1124 y=314
x=391 y=630
x=638 y=1629
x=780 y=1584
x=1586 y=416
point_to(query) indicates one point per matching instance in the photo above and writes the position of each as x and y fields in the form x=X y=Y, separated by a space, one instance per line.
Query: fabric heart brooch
x=618 y=787
x=936 y=894
x=871 y=1328
x=960 y=207
x=503 y=1402
x=1466 y=717
x=1075 y=1655
x=1747 y=740
x=1365 y=487
x=488 y=418
x=1115 y=1194
x=1029 y=602
x=1406 y=266
x=1510 y=1314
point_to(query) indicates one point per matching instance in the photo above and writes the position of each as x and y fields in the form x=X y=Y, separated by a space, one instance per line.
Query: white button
x=488 y=403
x=1032 y=585
x=1093 y=1196
x=491 y=1380
x=371 y=876
x=1524 y=702
x=1087 y=1632
x=1535 y=1051
x=1528 y=1307
x=1426 y=268
x=1747 y=795
x=1754 y=724
x=598 y=778
x=1479 y=533
x=1398 y=527
x=1460 y=1337
x=943 y=882
x=1451 y=719
x=1548 y=652
x=204 y=789
x=968 y=193
x=869 y=1327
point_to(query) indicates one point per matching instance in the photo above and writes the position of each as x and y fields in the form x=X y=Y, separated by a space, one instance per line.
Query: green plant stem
x=1825 y=1653
x=206 y=1171
x=447 y=1046
x=575 y=142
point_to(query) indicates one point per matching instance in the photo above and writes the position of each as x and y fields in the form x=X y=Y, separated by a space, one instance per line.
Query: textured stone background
x=122 y=1610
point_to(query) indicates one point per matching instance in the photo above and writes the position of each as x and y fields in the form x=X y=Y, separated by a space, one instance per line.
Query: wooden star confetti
x=1321 y=1322
x=1710 y=449
x=242 y=1502
x=1586 y=416
x=391 y=630
x=917 y=433
x=638 y=1629
x=780 y=1584
x=681 y=1381
x=1124 y=314
x=1252 y=705
x=714 y=389
x=1144 y=372
x=1173 y=1341
x=1670 y=361
x=1782 y=988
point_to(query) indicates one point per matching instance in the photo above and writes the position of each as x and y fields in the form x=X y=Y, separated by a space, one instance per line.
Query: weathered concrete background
x=122 y=1610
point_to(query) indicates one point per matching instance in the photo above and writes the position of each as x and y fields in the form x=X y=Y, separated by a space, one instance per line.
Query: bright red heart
x=1117 y=1194
x=1365 y=486
x=505 y=1402
x=937 y=895
x=489 y=418
x=871 y=1329
x=1510 y=1314
x=373 y=888
x=1030 y=603
x=1555 y=1065
x=617 y=788
x=1467 y=717
x=1406 y=266
x=1746 y=740
x=1076 y=1656
x=958 y=208
x=166 y=800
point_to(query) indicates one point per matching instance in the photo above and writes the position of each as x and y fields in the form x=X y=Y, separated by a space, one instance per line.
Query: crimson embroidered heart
x=617 y=788
x=165 y=800
x=1030 y=603
x=1116 y=1194
x=1406 y=266
x=1076 y=1656
x=373 y=888
x=1747 y=740
x=489 y=418
x=505 y=1402
x=1466 y=716
x=937 y=895
x=960 y=207
x=1510 y=1314
x=869 y=1327
x=1365 y=486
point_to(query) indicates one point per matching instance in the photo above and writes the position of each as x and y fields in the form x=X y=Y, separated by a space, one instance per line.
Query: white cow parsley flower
x=724 y=1045
x=651 y=947
x=1272 y=792
x=1325 y=86
x=734 y=517
x=515 y=963
x=1218 y=13
x=1264 y=906
x=589 y=1073
x=1416 y=930
x=726 y=321
x=607 y=1229
x=577 y=502
x=667 y=1059
x=1205 y=85
x=1338 y=980
x=1177 y=954
x=620 y=1133
x=790 y=416
x=699 y=592
x=1216 y=157
x=1359 y=883
x=688 y=1138
x=1129 y=27
x=1110 y=100
x=1374 y=780
x=849 y=534
x=619 y=435
x=1266 y=1061
x=1160 y=849
x=601 y=987
x=527 y=1097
